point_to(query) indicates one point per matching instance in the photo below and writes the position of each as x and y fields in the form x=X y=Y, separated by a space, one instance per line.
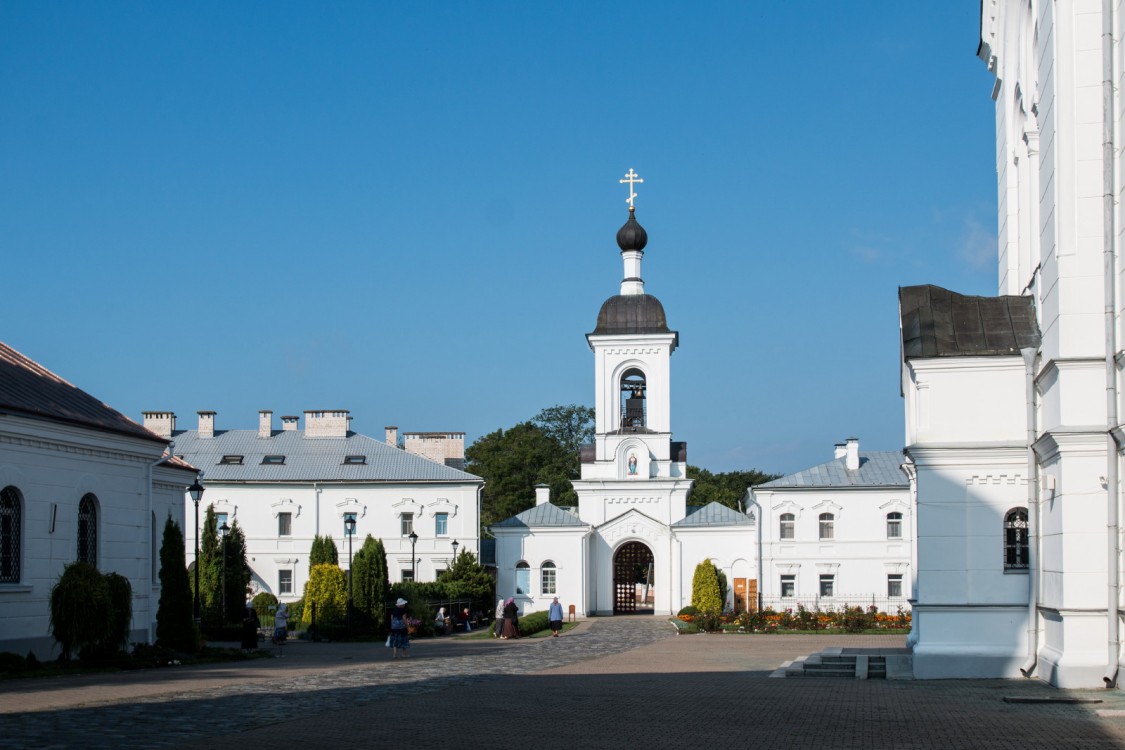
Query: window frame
x=523 y=574
x=284 y=524
x=787 y=522
x=894 y=519
x=406 y=524
x=791 y=579
x=826 y=522
x=1017 y=547
x=894 y=579
x=87 y=531
x=827 y=585
x=441 y=524
x=281 y=581
x=11 y=533
x=548 y=578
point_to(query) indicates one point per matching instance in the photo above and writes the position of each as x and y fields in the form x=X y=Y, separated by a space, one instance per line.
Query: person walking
x=498 y=625
x=400 y=638
x=555 y=617
x=511 y=627
x=250 y=625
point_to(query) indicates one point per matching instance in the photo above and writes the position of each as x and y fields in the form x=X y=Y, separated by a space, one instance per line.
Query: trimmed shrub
x=532 y=623
x=705 y=588
x=327 y=588
x=265 y=605
x=80 y=608
x=12 y=663
x=688 y=610
x=121 y=611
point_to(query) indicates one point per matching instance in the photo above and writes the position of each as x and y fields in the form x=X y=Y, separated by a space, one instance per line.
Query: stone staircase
x=852 y=664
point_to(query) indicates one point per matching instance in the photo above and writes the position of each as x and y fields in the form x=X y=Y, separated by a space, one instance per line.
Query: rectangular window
x=407 y=523
x=894 y=584
x=284 y=524
x=788 y=586
x=273 y=460
x=827 y=585
x=548 y=575
x=355 y=460
x=827 y=526
x=349 y=528
x=407 y=575
x=894 y=526
x=788 y=524
x=220 y=519
x=230 y=461
x=523 y=578
x=284 y=582
x=441 y=524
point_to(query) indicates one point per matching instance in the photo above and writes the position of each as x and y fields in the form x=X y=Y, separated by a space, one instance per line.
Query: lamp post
x=413 y=570
x=195 y=491
x=455 y=546
x=223 y=531
x=349 y=529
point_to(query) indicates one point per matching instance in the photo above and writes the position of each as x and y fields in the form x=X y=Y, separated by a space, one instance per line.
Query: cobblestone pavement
x=612 y=683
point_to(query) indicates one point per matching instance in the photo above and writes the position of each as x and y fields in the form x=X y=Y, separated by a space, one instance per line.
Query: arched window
x=88 y=530
x=632 y=399
x=523 y=578
x=11 y=511
x=1015 y=539
x=547 y=578
x=894 y=526
x=827 y=526
x=788 y=525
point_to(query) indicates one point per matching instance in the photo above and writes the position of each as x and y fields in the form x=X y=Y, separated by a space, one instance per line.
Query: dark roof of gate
x=939 y=323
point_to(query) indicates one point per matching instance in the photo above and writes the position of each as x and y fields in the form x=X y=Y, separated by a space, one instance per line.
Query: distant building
x=840 y=533
x=286 y=486
x=78 y=481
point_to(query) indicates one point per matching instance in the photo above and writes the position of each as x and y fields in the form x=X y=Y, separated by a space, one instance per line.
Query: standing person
x=439 y=621
x=400 y=638
x=250 y=625
x=467 y=620
x=511 y=627
x=281 y=625
x=555 y=617
x=499 y=624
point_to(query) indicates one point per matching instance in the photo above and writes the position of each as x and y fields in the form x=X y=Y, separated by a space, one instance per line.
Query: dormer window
x=273 y=460
x=230 y=461
x=355 y=460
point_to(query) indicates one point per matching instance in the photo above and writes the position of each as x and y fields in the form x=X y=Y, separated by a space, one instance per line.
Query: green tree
x=210 y=567
x=369 y=582
x=237 y=572
x=468 y=577
x=323 y=552
x=727 y=488
x=327 y=589
x=121 y=611
x=174 y=626
x=570 y=426
x=705 y=588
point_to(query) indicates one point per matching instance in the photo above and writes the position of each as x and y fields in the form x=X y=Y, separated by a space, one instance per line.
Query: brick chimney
x=206 y=424
x=542 y=494
x=265 y=423
x=162 y=423
x=392 y=435
x=289 y=424
x=327 y=424
x=851 y=460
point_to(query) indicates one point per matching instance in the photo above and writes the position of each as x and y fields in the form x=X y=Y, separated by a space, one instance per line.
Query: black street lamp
x=349 y=529
x=196 y=494
x=455 y=546
x=224 y=530
x=413 y=570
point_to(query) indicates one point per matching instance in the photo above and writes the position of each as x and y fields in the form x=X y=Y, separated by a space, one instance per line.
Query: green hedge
x=533 y=623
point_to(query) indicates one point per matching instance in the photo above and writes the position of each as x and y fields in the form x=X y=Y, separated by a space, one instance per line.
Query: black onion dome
x=632 y=236
x=631 y=313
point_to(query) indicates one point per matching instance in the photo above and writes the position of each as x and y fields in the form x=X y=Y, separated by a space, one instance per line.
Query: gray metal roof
x=546 y=514
x=939 y=323
x=713 y=514
x=876 y=469
x=30 y=390
x=308 y=459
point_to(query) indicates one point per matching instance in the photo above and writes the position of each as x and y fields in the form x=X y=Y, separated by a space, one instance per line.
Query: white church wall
x=946 y=393
x=562 y=547
x=731 y=549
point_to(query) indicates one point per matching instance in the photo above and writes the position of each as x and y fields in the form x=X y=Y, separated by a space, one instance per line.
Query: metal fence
x=887 y=604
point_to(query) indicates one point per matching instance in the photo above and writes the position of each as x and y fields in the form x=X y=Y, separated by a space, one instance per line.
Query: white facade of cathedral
x=1017 y=458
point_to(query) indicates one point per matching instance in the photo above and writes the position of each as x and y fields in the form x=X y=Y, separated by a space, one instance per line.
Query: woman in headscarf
x=439 y=622
x=400 y=638
x=499 y=624
x=511 y=620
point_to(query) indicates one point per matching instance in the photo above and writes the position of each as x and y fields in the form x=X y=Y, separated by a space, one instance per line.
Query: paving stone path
x=170 y=718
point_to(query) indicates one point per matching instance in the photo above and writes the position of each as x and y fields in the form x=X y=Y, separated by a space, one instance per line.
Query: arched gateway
x=633 y=579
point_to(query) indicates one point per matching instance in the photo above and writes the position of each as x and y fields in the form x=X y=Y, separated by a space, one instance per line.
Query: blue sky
x=408 y=210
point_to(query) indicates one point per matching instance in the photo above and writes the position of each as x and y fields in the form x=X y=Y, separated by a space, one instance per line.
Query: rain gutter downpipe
x=1032 y=518
x=1113 y=638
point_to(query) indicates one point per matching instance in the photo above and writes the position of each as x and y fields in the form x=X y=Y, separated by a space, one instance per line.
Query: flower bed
x=847 y=619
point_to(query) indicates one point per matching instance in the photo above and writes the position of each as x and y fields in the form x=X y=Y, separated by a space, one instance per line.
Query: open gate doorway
x=633 y=582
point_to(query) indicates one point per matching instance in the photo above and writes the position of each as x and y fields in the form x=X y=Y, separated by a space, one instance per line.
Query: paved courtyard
x=613 y=682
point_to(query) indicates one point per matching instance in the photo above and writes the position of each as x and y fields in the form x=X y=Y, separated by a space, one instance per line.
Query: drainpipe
x=752 y=499
x=1113 y=645
x=1032 y=518
x=480 y=531
x=911 y=470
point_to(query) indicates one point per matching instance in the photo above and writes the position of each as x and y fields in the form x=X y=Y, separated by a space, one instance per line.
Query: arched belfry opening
x=633 y=400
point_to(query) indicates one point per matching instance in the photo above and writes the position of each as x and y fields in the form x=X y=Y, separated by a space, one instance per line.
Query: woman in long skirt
x=499 y=624
x=511 y=620
x=400 y=636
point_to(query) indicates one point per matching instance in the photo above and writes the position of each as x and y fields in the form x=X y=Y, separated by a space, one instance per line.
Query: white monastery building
x=1013 y=403
x=284 y=487
x=79 y=481
x=633 y=542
